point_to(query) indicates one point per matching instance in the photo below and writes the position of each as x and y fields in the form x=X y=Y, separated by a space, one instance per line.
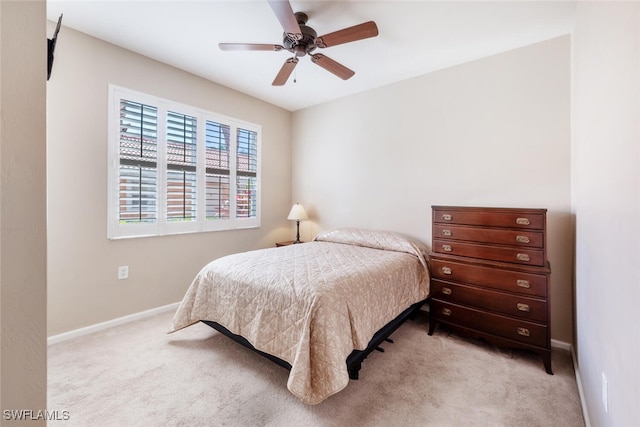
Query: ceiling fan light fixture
x=299 y=50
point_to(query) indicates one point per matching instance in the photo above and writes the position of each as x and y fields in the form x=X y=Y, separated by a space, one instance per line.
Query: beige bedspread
x=311 y=304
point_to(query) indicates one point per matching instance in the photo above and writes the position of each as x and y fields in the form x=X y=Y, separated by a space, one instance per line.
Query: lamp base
x=297 y=233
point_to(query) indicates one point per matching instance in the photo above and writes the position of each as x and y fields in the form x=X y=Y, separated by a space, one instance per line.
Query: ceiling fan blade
x=249 y=46
x=284 y=13
x=332 y=66
x=346 y=35
x=285 y=72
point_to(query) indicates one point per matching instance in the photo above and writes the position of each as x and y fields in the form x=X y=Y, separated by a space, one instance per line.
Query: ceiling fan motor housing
x=307 y=43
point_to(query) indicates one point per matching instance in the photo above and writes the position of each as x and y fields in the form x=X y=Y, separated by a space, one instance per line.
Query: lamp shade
x=297 y=213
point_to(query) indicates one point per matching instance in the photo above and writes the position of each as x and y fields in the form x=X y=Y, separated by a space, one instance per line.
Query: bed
x=317 y=308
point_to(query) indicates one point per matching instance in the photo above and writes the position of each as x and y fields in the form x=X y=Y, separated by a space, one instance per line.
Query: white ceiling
x=416 y=37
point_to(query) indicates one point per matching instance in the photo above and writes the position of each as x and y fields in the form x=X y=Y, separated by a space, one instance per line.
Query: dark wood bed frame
x=355 y=359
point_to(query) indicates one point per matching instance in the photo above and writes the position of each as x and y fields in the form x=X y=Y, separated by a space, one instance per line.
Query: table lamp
x=297 y=214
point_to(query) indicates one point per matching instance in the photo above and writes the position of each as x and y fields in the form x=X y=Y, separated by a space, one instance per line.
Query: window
x=177 y=169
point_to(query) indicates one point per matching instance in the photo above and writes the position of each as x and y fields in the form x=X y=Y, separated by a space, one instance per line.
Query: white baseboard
x=583 y=401
x=561 y=345
x=55 y=339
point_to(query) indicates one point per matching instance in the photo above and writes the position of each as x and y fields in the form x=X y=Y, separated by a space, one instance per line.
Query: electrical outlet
x=123 y=272
x=605 y=393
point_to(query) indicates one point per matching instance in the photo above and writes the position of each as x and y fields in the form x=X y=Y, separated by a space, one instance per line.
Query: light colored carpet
x=136 y=375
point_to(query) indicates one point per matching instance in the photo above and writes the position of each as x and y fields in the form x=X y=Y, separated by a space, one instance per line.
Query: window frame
x=162 y=226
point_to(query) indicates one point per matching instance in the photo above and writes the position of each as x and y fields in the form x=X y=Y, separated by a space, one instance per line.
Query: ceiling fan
x=301 y=40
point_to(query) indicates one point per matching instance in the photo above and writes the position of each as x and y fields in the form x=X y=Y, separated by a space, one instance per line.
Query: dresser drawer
x=508 y=218
x=492 y=277
x=503 y=326
x=525 y=256
x=513 y=305
x=524 y=238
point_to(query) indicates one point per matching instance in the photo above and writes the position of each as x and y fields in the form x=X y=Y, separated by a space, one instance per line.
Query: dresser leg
x=546 y=358
x=432 y=326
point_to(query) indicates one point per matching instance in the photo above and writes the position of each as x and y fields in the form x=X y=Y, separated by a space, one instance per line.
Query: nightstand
x=287 y=243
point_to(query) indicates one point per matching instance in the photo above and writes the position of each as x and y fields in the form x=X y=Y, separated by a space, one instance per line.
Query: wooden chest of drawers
x=490 y=276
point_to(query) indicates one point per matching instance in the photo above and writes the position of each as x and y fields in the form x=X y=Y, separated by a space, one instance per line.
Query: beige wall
x=606 y=192
x=23 y=336
x=82 y=277
x=493 y=132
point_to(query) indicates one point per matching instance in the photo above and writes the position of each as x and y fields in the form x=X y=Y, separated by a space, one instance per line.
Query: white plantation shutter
x=178 y=169
x=218 y=170
x=138 y=162
x=181 y=166
x=246 y=179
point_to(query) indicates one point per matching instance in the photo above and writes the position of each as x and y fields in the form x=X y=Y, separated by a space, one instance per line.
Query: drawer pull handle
x=523 y=331
x=523 y=221
x=523 y=257
x=446 y=312
x=523 y=283
x=446 y=232
x=445 y=270
x=446 y=217
x=522 y=239
x=523 y=307
x=446 y=248
x=446 y=291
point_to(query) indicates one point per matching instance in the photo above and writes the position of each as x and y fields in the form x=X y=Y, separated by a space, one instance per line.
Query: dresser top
x=488 y=209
